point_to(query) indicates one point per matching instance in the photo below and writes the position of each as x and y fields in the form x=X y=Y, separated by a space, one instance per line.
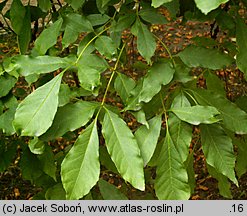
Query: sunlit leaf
x=35 y=113
x=123 y=148
x=81 y=168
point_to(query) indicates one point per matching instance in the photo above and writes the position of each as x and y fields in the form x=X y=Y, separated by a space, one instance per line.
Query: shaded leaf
x=80 y=168
x=147 y=138
x=47 y=162
x=124 y=85
x=56 y=192
x=223 y=184
x=24 y=36
x=8 y=150
x=106 y=160
x=105 y=46
x=232 y=116
x=153 y=16
x=241 y=32
x=110 y=192
x=218 y=150
x=241 y=163
x=123 y=149
x=158 y=75
x=66 y=119
x=194 y=56
x=146 y=44
x=44 y=5
x=75 y=4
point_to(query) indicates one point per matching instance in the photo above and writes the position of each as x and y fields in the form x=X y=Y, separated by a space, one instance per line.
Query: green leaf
x=157 y=3
x=75 y=4
x=24 y=36
x=17 y=13
x=147 y=138
x=197 y=114
x=207 y=6
x=146 y=44
x=66 y=119
x=47 y=162
x=7 y=82
x=74 y=24
x=194 y=56
x=44 y=5
x=141 y=117
x=98 y=19
x=241 y=163
x=36 y=146
x=215 y=84
x=180 y=132
x=153 y=16
x=171 y=181
x=106 y=160
x=133 y=100
x=64 y=96
x=30 y=166
x=223 y=184
x=105 y=46
x=123 y=149
x=80 y=168
x=89 y=69
x=6 y=119
x=47 y=38
x=124 y=85
x=85 y=46
x=189 y=164
x=125 y=21
x=26 y=65
x=241 y=32
x=110 y=192
x=218 y=150
x=158 y=75
x=35 y=113
x=56 y=192
x=232 y=116
x=8 y=150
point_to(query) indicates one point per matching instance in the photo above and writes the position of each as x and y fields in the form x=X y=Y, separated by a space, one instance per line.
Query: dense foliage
x=73 y=57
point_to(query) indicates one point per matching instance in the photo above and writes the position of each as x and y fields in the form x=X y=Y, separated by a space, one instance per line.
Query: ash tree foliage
x=74 y=63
